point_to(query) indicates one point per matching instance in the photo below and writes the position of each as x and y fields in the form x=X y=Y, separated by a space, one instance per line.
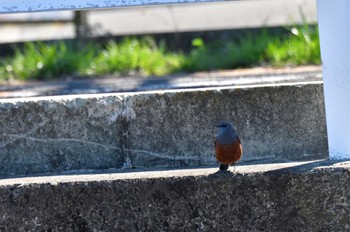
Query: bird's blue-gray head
x=227 y=134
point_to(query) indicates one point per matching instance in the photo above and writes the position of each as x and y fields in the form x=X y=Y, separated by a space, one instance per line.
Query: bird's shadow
x=306 y=166
x=303 y=167
x=222 y=173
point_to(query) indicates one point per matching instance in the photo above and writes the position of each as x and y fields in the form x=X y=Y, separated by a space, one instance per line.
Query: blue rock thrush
x=228 y=148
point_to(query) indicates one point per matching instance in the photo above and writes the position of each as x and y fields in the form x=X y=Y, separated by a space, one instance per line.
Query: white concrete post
x=334 y=28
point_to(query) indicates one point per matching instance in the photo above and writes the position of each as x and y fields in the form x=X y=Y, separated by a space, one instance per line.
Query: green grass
x=144 y=56
x=301 y=47
x=47 y=61
x=246 y=51
x=53 y=60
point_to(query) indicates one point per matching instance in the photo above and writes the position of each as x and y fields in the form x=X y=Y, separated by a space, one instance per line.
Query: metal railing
x=17 y=6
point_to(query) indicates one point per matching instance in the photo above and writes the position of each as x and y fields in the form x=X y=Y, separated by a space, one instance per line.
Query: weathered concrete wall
x=306 y=197
x=276 y=123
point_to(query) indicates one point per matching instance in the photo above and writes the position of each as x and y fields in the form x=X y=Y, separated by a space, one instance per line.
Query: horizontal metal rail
x=17 y=6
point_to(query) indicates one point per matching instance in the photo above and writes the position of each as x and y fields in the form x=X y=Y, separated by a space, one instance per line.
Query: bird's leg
x=234 y=166
x=223 y=167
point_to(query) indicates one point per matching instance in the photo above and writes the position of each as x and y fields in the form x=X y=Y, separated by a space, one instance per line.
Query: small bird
x=228 y=147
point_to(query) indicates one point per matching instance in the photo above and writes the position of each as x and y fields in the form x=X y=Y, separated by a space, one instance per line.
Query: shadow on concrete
x=133 y=83
x=305 y=167
x=220 y=173
x=297 y=168
x=153 y=84
x=85 y=86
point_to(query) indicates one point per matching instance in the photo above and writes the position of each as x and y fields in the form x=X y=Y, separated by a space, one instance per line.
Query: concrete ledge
x=173 y=128
x=308 y=196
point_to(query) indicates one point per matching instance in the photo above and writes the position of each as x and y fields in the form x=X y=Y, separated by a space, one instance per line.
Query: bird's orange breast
x=228 y=153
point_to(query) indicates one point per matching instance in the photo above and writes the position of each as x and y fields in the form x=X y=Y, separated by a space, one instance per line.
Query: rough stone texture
x=174 y=128
x=299 y=197
x=61 y=134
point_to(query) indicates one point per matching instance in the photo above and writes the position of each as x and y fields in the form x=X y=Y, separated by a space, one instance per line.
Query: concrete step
x=304 y=196
x=283 y=122
x=117 y=84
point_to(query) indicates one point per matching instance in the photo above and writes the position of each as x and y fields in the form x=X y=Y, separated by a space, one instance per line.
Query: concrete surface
x=173 y=128
x=309 y=196
x=110 y=84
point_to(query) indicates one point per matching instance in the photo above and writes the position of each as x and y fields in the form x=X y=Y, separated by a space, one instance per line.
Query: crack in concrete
x=4 y=144
x=57 y=140
x=164 y=156
x=51 y=140
x=127 y=114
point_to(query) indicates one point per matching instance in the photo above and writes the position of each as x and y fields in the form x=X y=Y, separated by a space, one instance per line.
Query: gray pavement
x=243 y=77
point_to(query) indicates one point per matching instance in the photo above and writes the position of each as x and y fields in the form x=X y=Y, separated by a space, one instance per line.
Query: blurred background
x=155 y=41
x=157 y=19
